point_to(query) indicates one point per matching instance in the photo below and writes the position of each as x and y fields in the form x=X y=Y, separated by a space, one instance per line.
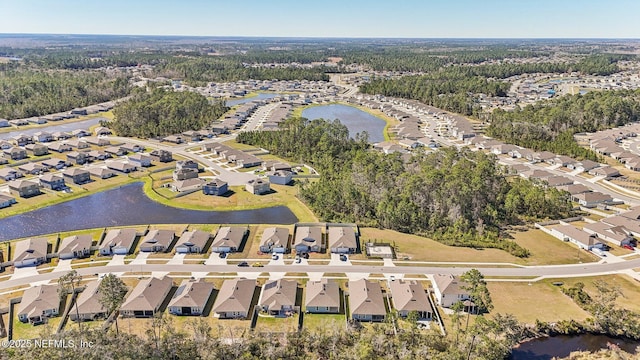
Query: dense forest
x=26 y=93
x=458 y=197
x=164 y=112
x=550 y=125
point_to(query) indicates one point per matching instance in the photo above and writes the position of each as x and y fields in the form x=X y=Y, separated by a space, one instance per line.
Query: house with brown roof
x=97 y=141
x=78 y=143
x=54 y=163
x=101 y=130
x=38 y=304
x=140 y=160
x=308 y=239
x=342 y=240
x=77 y=176
x=8 y=174
x=592 y=199
x=234 y=299
x=408 y=296
x=147 y=297
x=25 y=188
x=322 y=296
x=121 y=166
x=229 y=239
x=157 y=241
x=580 y=238
x=449 y=289
x=193 y=242
x=618 y=235
x=131 y=147
x=185 y=174
x=32 y=168
x=274 y=240
x=16 y=153
x=365 y=301
x=101 y=172
x=79 y=158
x=89 y=306
x=193 y=184
x=115 y=151
x=118 y=242
x=37 y=149
x=161 y=156
x=278 y=297
x=59 y=147
x=75 y=247
x=52 y=181
x=607 y=171
x=6 y=201
x=574 y=189
x=191 y=297
x=30 y=252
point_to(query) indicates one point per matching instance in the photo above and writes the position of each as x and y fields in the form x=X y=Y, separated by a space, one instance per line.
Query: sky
x=327 y=18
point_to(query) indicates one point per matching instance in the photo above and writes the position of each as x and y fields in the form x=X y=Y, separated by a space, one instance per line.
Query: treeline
x=195 y=338
x=460 y=198
x=164 y=112
x=26 y=93
x=200 y=71
x=550 y=125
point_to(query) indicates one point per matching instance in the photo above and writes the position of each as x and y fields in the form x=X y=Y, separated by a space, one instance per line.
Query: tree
x=112 y=291
x=67 y=284
x=478 y=292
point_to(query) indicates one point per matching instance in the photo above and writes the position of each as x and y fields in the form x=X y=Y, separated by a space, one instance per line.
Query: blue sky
x=328 y=18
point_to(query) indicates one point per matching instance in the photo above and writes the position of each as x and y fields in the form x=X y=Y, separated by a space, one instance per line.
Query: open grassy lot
x=252 y=245
x=268 y=323
x=545 y=249
x=323 y=322
x=629 y=288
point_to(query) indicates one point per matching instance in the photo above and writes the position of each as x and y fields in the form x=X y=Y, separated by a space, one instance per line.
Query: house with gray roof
x=274 y=240
x=77 y=176
x=322 y=296
x=147 y=297
x=278 y=297
x=38 y=304
x=75 y=247
x=580 y=238
x=191 y=297
x=52 y=181
x=89 y=306
x=25 y=188
x=118 y=242
x=342 y=239
x=234 y=299
x=229 y=239
x=30 y=252
x=157 y=241
x=408 y=296
x=365 y=301
x=449 y=289
x=193 y=242
x=6 y=201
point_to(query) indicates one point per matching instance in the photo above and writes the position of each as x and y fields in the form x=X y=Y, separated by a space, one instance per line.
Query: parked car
x=222 y=255
x=243 y=264
x=257 y=265
x=628 y=247
x=274 y=257
x=298 y=259
x=343 y=257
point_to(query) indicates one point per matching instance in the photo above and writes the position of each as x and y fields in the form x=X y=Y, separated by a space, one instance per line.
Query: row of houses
x=233 y=301
x=341 y=239
x=609 y=145
x=235 y=156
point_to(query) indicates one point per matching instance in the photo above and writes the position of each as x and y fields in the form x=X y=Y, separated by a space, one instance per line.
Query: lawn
x=252 y=245
x=28 y=331
x=323 y=322
x=267 y=323
x=544 y=248
x=629 y=288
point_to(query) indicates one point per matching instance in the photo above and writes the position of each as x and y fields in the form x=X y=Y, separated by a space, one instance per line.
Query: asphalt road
x=560 y=271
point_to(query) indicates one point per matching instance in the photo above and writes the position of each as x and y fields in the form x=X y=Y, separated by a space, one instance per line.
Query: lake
x=68 y=127
x=260 y=96
x=353 y=118
x=562 y=346
x=127 y=205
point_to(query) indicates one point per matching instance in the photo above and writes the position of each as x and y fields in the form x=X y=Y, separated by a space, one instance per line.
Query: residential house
x=78 y=144
x=574 y=189
x=274 y=240
x=215 y=187
x=42 y=136
x=157 y=241
x=234 y=299
x=408 y=296
x=188 y=185
x=97 y=141
x=32 y=168
x=554 y=181
x=22 y=140
x=101 y=131
x=89 y=305
x=449 y=289
x=161 y=156
x=607 y=171
x=229 y=239
x=61 y=135
x=118 y=242
x=192 y=135
x=582 y=239
x=258 y=186
x=176 y=139
x=16 y=153
x=80 y=133
x=4 y=123
x=186 y=164
x=6 y=201
x=308 y=239
x=342 y=239
x=140 y=160
x=115 y=151
x=122 y=167
x=52 y=181
x=25 y=188
x=4 y=145
x=618 y=235
x=98 y=155
x=37 y=149
x=365 y=301
x=185 y=174
x=131 y=147
x=193 y=242
x=75 y=247
x=278 y=297
x=77 y=176
x=59 y=147
x=79 y=158
x=281 y=177
x=101 y=173
x=38 y=304
x=322 y=296
x=591 y=199
x=54 y=163
x=8 y=174
x=30 y=252
x=191 y=297
x=147 y=297
x=584 y=165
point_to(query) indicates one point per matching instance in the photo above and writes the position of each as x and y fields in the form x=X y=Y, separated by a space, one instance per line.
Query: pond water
x=68 y=127
x=562 y=346
x=260 y=96
x=127 y=205
x=353 y=118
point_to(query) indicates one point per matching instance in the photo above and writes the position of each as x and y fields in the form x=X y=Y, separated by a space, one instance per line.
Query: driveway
x=63 y=265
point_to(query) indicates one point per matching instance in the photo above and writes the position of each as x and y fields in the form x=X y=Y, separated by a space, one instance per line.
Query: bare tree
x=67 y=284
x=112 y=291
